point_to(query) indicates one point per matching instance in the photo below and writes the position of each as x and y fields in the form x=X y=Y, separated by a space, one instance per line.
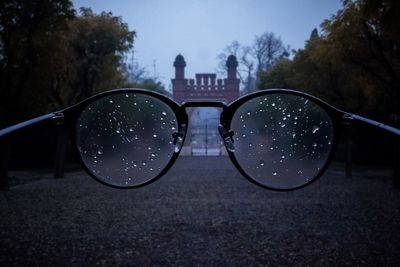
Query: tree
x=278 y=76
x=149 y=84
x=353 y=64
x=30 y=34
x=245 y=66
x=96 y=45
x=366 y=36
x=265 y=51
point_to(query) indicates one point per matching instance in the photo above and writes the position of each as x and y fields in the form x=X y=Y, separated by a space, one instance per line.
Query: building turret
x=179 y=65
x=231 y=64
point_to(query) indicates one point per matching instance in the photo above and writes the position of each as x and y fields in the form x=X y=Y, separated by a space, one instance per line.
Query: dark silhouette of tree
x=30 y=36
x=354 y=64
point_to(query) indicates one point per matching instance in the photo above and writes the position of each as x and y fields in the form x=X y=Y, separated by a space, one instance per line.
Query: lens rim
x=72 y=114
x=335 y=115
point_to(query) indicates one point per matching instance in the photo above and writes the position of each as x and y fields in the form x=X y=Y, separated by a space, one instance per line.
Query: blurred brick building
x=205 y=86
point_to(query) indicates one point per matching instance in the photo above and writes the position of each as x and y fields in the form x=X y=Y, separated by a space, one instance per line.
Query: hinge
x=347 y=119
x=58 y=118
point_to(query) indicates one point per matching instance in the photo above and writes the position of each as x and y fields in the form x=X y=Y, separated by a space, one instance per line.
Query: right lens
x=126 y=139
x=282 y=141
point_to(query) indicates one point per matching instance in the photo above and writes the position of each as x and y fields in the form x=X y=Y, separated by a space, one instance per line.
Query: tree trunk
x=396 y=162
x=4 y=155
x=61 y=150
x=349 y=156
x=396 y=144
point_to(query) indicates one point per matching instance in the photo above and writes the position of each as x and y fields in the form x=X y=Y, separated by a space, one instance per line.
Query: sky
x=201 y=29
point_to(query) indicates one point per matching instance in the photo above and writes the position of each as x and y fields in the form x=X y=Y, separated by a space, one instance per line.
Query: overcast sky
x=201 y=29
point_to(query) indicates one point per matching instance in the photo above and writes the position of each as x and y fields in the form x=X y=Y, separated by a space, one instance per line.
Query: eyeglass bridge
x=179 y=138
x=227 y=137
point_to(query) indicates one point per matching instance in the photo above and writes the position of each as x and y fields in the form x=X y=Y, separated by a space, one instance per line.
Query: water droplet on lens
x=243 y=135
x=314 y=144
x=154 y=135
x=273 y=104
x=99 y=152
x=118 y=131
x=153 y=155
x=274 y=173
x=283 y=125
x=315 y=129
x=144 y=163
x=164 y=113
x=248 y=113
x=283 y=156
x=111 y=101
x=294 y=135
x=130 y=129
x=262 y=163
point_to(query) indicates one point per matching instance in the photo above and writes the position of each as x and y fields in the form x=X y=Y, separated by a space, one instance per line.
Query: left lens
x=282 y=141
x=126 y=139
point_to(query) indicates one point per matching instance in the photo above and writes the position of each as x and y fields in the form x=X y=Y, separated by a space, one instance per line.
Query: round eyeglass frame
x=72 y=114
x=334 y=114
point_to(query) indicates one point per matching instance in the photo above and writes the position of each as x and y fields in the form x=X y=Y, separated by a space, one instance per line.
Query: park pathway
x=202 y=213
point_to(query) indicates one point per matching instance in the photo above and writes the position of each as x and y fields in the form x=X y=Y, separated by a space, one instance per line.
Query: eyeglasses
x=278 y=139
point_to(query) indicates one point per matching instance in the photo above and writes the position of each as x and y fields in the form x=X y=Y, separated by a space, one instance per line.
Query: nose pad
x=226 y=136
x=179 y=138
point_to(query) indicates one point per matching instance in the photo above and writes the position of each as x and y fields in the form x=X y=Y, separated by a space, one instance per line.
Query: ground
x=202 y=213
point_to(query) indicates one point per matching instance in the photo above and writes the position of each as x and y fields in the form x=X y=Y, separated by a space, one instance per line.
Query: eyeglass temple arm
x=385 y=127
x=24 y=124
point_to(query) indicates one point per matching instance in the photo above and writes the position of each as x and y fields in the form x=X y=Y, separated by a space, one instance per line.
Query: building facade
x=205 y=86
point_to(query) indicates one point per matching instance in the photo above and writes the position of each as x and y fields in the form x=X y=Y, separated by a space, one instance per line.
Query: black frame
x=70 y=115
x=335 y=114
